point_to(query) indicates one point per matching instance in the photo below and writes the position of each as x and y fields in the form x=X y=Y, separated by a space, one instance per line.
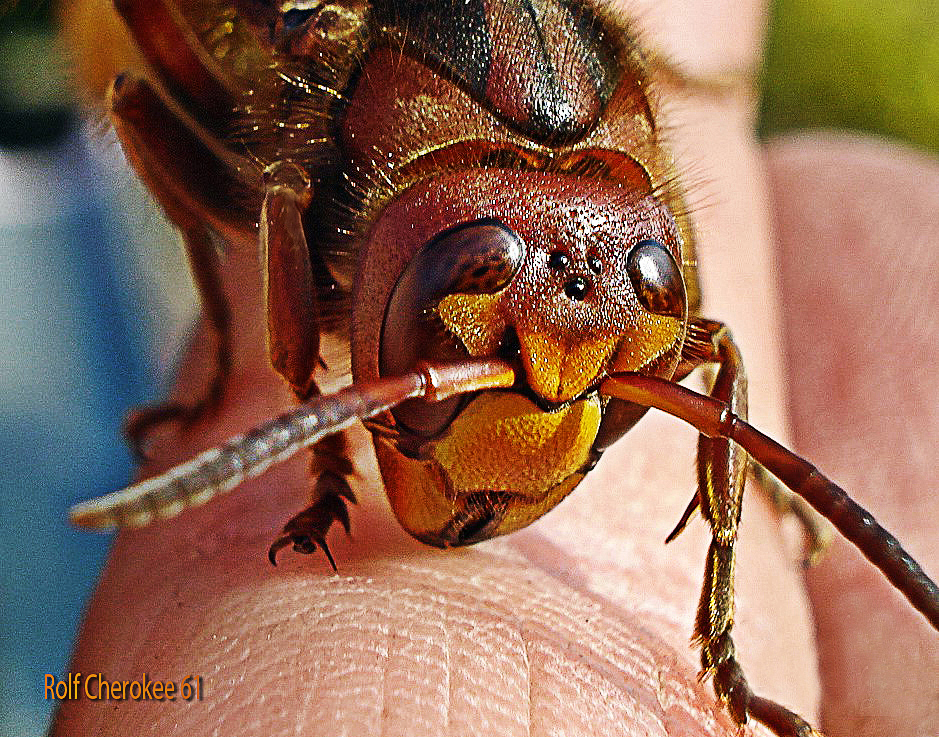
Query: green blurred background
x=866 y=65
x=35 y=109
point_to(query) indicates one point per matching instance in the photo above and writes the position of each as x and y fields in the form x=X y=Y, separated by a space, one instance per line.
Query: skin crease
x=578 y=624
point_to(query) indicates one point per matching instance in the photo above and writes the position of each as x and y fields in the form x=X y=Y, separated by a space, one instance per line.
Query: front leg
x=722 y=467
x=306 y=531
x=293 y=334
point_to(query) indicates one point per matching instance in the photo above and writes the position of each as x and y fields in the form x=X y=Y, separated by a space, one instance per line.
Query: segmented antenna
x=715 y=419
x=245 y=456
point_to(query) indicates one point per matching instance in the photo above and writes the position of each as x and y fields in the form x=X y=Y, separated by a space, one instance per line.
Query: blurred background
x=97 y=298
x=93 y=288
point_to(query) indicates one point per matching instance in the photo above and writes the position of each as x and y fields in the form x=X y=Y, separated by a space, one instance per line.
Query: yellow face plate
x=505 y=442
x=500 y=443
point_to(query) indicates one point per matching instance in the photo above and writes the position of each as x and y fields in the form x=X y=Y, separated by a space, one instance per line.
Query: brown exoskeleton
x=483 y=187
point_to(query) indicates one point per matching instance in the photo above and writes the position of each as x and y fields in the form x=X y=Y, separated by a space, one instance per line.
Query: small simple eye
x=558 y=260
x=577 y=288
x=656 y=278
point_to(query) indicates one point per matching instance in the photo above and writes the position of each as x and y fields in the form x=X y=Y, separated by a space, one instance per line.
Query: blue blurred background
x=84 y=325
x=97 y=297
x=74 y=358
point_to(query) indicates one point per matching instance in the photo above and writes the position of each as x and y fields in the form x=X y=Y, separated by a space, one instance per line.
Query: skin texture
x=576 y=625
x=862 y=346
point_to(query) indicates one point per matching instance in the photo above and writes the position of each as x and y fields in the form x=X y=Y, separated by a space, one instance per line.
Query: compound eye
x=480 y=257
x=656 y=278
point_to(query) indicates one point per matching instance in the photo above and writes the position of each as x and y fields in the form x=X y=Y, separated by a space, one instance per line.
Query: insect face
x=570 y=280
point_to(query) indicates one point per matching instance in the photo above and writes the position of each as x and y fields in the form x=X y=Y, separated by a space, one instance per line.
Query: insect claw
x=329 y=556
x=278 y=545
x=305 y=544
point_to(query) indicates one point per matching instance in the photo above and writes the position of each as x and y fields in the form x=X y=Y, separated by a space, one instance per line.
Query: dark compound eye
x=656 y=278
x=479 y=257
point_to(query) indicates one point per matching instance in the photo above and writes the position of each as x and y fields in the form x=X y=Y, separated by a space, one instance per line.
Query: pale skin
x=580 y=623
x=862 y=350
